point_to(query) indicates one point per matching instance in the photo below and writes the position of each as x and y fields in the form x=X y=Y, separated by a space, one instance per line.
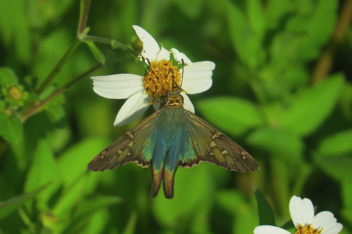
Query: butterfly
x=169 y=138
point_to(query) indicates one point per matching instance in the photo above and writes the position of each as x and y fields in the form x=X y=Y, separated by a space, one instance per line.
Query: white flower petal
x=117 y=86
x=163 y=54
x=134 y=107
x=197 y=78
x=333 y=230
x=178 y=56
x=150 y=46
x=187 y=104
x=327 y=221
x=302 y=211
x=267 y=229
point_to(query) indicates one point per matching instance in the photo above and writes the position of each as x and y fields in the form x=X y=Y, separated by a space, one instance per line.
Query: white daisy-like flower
x=302 y=214
x=142 y=91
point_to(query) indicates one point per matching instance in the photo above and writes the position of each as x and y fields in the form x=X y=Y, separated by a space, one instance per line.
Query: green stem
x=305 y=171
x=83 y=18
x=114 y=44
x=35 y=109
x=59 y=66
x=280 y=181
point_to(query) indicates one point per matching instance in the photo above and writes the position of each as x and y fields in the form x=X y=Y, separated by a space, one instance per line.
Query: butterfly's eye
x=181 y=98
x=166 y=99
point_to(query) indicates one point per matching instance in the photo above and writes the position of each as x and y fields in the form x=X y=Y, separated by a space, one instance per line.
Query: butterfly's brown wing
x=133 y=146
x=213 y=146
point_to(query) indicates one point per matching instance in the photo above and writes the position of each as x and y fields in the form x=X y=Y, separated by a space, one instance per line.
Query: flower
x=302 y=214
x=142 y=91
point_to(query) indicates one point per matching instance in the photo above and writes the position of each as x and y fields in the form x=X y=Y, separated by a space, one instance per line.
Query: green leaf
x=257 y=18
x=337 y=167
x=334 y=155
x=278 y=142
x=7 y=76
x=243 y=213
x=90 y=206
x=346 y=100
x=56 y=113
x=15 y=29
x=233 y=115
x=44 y=169
x=11 y=129
x=244 y=41
x=85 y=211
x=309 y=110
x=337 y=144
x=73 y=162
x=276 y=10
x=131 y=225
x=265 y=212
x=12 y=204
x=347 y=193
x=96 y=52
x=318 y=33
x=190 y=8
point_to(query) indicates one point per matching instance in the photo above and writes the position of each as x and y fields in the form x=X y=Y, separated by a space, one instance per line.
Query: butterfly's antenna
x=183 y=65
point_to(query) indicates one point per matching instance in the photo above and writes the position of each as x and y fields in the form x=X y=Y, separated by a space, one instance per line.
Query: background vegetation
x=281 y=89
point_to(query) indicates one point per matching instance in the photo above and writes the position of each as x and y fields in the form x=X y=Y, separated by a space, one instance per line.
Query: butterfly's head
x=174 y=98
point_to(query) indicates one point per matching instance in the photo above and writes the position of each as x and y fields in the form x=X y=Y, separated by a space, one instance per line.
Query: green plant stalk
x=304 y=172
x=59 y=66
x=114 y=44
x=280 y=180
x=83 y=18
x=37 y=107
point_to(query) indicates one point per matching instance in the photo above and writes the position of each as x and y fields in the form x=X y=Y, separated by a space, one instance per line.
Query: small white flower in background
x=302 y=214
x=141 y=91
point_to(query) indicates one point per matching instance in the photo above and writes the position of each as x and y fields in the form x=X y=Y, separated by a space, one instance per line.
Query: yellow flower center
x=160 y=78
x=15 y=93
x=307 y=230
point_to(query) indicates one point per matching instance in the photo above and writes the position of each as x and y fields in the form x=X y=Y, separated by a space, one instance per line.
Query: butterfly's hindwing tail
x=159 y=154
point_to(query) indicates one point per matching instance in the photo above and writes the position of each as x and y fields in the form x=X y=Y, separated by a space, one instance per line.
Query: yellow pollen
x=307 y=230
x=160 y=77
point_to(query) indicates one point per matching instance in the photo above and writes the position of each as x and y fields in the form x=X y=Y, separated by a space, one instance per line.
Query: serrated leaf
x=337 y=144
x=96 y=52
x=12 y=204
x=233 y=115
x=278 y=142
x=11 y=129
x=265 y=212
x=308 y=111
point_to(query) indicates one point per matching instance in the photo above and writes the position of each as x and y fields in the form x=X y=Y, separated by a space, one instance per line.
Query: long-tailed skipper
x=172 y=137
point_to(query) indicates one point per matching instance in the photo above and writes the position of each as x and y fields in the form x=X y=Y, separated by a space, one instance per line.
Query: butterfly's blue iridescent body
x=172 y=137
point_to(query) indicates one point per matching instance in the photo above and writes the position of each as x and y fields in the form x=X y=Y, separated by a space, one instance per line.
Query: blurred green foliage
x=265 y=95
